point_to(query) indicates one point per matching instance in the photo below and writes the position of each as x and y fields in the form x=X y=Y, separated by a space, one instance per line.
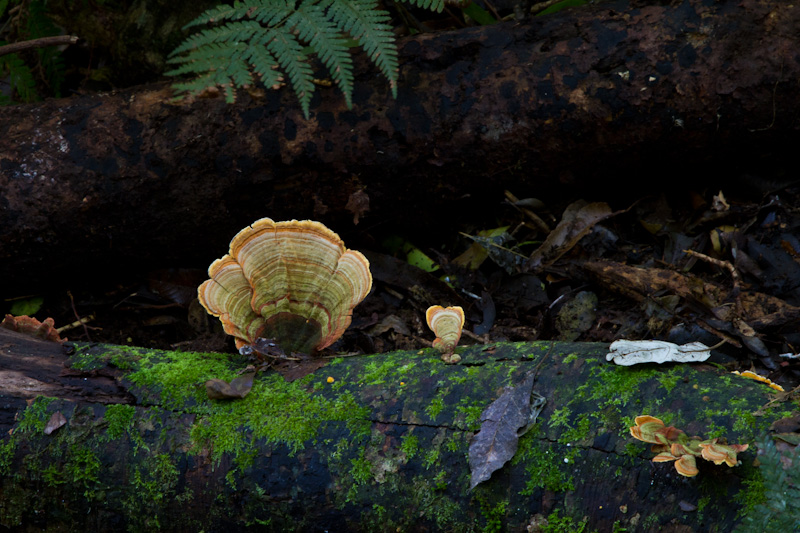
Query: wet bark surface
x=618 y=96
x=369 y=443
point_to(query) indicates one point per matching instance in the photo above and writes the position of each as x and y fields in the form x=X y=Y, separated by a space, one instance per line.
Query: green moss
x=543 y=465
x=361 y=469
x=469 y=414
x=35 y=416
x=581 y=432
x=614 y=385
x=632 y=449
x=120 y=420
x=431 y=457
x=494 y=514
x=565 y=524
x=409 y=445
x=560 y=417
x=570 y=358
x=7 y=452
x=153 y=488
x=295 y=414
x=435 y=407
x=669 y=378
x=753 y=494
x=80 y=471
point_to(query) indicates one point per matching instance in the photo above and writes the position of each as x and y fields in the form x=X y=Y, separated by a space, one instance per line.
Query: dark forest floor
x=744 y=289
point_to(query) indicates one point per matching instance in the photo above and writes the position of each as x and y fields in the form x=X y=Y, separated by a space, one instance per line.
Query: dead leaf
x=577 y=220
x=56 y=421
x=217 y=389
x=390 y=322
x=627 y=353
x=502 y=423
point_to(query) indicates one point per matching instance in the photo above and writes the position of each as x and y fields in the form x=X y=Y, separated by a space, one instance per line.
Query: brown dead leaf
x=502 y=423
x=56 y=421
x=576 y=222
x=217 y=389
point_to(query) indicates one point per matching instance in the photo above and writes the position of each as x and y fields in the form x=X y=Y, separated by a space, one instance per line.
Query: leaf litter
x=503 y=422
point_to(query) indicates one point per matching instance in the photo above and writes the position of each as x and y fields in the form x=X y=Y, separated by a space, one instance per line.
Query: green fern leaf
x=291 y=58
x=237 y=11
x=20 y=77
x=269 y=38
x=232 y=32
x=265 y=65
x=313 y=26
x=368 y=24
x=779 y=508
x=433 y=5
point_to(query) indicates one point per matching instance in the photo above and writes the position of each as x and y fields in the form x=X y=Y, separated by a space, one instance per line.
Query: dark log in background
x=380 y=446
x=610 y=100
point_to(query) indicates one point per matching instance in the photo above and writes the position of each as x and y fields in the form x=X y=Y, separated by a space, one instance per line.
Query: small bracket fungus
x=294 y=282
x=757 y=377
x=672 y=444
x=446 y=323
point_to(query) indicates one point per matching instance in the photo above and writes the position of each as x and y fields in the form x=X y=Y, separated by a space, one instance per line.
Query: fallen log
x=612 y=94
x=371 y=443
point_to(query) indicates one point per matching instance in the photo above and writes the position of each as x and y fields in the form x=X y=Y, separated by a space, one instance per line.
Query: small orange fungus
x=762 y=379
x=672 y=444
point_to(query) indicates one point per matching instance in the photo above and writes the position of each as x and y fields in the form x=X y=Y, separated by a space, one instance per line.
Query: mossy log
x=367 y=443
x=649 y=95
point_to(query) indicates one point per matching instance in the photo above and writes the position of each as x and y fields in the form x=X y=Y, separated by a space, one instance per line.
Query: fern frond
x=779 y=511
x=233 y=32
x=433 y=5
x=268 y=38
x=313 y=26
x=237 y=11
x=291 y=58
x=368 y=24
x=39 y=24
x=20 y=77
x=265 y=65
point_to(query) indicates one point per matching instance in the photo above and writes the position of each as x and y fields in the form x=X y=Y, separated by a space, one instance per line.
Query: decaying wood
x=370 y=443
x=692 y=91
x=755 y=308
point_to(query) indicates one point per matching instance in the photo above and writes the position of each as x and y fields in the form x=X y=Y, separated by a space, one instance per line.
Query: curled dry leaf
x=577 y=221
x=293 y=281
x=56 y=421
x=30 y=326
x=628 y=353
x=217 y=389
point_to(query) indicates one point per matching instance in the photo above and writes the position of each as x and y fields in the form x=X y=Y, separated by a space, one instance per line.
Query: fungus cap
x=447 y=324
x=291 y=281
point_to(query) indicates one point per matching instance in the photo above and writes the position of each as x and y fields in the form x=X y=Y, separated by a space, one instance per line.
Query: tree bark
x=615 y=98
x=373 y=443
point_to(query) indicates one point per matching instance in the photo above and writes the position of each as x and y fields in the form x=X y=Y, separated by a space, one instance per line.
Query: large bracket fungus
x=291 y=281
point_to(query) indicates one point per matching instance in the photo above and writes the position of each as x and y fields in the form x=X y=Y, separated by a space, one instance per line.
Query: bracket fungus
x=294 y=282
x=32 y=327
x=447 y=324
x=672 y=444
